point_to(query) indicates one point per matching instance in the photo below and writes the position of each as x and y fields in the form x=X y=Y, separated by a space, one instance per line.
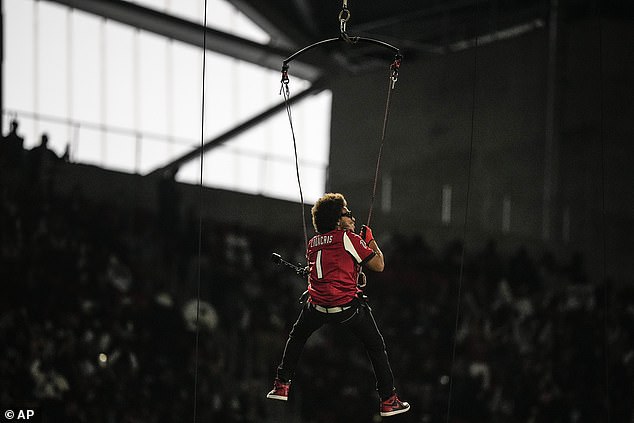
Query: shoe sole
x=277 y=397
x=395 y=412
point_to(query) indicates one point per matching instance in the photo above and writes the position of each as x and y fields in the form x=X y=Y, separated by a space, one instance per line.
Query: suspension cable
x=394 y=69
x=344 y=16
x=286 y=92
x=466 y=215
x=200 y=218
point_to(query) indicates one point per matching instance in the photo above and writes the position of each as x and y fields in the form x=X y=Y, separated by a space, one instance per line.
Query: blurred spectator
x=12 y=147
x=91 y=335
x=42 y=162
x=12 y=160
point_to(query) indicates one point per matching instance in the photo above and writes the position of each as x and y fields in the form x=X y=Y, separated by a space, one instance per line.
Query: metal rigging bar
x=344 y=16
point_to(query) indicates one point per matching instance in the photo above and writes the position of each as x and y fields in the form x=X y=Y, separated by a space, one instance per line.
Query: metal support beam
x=272 y=23
x=316 y=88
x=192 y=33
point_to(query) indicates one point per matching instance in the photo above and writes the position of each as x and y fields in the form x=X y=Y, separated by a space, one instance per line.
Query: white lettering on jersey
x=318 y=265
x=320 y=240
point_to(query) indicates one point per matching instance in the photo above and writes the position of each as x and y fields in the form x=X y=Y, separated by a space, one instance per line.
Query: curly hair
x=327 y=211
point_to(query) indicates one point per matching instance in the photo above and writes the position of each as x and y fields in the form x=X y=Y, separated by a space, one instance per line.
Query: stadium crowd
x=99 y=322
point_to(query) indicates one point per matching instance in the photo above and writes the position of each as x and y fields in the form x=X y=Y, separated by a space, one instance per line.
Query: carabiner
x=344 y=17
x=284 y=81
x=394 y=67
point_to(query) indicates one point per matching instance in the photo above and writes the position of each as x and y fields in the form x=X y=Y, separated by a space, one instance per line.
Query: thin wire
x=464 y=230
x=390 y=87
x=200 y=217
x=286 y=93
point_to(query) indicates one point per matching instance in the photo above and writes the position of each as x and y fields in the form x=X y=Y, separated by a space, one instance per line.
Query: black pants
x=359 y=320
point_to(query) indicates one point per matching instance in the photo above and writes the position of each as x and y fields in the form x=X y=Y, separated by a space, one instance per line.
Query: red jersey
x=335 y=259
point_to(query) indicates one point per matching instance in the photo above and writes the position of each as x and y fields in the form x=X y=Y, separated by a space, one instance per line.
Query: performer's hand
x=366 y=234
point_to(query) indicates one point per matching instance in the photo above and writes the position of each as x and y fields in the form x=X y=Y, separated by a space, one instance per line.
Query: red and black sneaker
x=280 y=390
x=393 y=405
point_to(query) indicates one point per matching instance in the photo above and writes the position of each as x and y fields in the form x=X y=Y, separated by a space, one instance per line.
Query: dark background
x=533 y=323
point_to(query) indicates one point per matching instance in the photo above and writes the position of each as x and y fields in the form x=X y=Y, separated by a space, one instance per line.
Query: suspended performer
x=335 y=258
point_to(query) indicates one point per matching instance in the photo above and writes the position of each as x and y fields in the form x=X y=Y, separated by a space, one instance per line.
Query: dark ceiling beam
x=280 y=37
x=315 y=88
x=432 y=29
x=192 y=33
x=287 y=32
x=420 y=16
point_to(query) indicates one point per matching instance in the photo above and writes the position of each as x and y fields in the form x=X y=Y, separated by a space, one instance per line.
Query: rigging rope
x=286 y=91
x=466 y=215
x=344 y=16
x=394 y=68
x=200 y=217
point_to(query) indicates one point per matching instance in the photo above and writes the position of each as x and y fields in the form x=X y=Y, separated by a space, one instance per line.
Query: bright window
x=129 y=100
